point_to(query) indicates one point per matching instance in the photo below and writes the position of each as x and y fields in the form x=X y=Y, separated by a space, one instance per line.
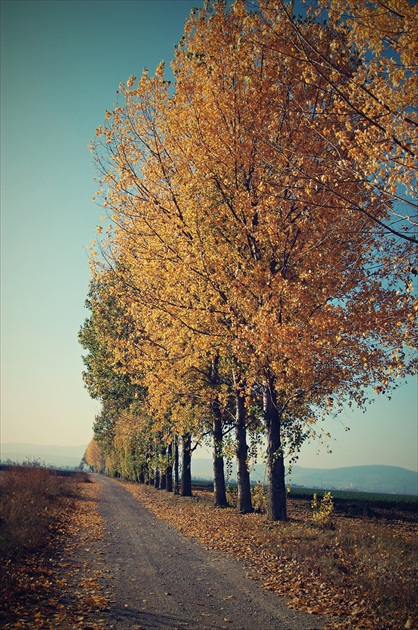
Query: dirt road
x=158 y=579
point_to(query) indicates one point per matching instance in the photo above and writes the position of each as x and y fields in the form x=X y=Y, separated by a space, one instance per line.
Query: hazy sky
x=61 y=63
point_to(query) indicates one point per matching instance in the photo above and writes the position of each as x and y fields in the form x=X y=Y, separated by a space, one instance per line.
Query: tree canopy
x=252 y=228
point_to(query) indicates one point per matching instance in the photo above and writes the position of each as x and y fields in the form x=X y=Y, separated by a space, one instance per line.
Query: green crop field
x=352 y=495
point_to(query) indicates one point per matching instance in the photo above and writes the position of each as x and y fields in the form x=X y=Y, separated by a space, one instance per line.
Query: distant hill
x=385 y=479
x=60 y=456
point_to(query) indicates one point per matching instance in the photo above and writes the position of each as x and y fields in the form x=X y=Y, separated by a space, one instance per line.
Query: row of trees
x=256 y=269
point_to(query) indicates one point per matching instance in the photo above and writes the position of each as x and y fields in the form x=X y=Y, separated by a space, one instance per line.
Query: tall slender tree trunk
x=150 y=480
x=163 y=480
x=163 y=476
x=176 y=466
x=186 y=473
x=150 y=477
x=157 y=478
x=169 y=471
x=219 y=485
x=276 y=491
x=244 y=505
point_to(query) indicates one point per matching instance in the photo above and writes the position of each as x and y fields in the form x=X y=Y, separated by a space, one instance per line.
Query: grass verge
x=47 y=521
x=32 y=495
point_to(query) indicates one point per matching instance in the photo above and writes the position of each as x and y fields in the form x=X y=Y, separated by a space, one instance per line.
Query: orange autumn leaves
x=380 y=91
x=241 y=226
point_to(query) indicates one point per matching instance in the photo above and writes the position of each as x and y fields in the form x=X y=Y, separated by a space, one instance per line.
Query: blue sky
x=61 y=63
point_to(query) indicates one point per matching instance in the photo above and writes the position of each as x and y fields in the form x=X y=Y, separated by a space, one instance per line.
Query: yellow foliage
x=251 y=213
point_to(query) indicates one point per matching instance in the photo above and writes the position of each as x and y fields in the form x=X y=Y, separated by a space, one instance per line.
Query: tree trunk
x=169 y=472
x=163 y=480
x=149 y=471
x=186 y=473
x=157 y=478
x=276 y=491
x=163 y=477
x=219 y=486
x=176 y=467
x=244 y=505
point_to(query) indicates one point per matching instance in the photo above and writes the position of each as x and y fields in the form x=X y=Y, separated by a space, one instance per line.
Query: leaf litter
x=354 y=570
x=360 y=572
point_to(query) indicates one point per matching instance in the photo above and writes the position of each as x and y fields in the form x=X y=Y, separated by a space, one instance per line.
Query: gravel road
x=158 y=579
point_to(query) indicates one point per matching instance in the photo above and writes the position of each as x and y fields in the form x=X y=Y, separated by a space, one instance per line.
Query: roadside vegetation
x=361 y=571
x=32 y=498
x=43 y=515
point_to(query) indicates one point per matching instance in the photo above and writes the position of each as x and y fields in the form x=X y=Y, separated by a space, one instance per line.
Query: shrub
x=323 y=509
x=259 y=497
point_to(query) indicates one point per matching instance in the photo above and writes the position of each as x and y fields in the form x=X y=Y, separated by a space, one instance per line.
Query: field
x=32 y=498
x=367 y=504
x=353 y=495
x=345 y=501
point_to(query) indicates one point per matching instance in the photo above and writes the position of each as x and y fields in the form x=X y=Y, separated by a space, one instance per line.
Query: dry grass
x=30 y=496
x=54 y=583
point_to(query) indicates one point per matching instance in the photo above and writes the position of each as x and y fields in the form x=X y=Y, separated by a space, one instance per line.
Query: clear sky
x=61 y=63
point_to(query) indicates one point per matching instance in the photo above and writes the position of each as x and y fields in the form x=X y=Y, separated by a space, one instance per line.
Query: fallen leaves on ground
x=359 y=571
x=56 y=587
x=354 y=570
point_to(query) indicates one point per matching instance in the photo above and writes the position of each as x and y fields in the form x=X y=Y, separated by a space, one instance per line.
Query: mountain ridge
x=366 y=477
x=50 y=454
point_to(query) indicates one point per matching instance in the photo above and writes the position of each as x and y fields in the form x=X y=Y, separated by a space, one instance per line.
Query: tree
x=94 y=457
x=120 y=396
x=242 y=231
x=107 y=321
x=291 y=256
x=376 y=96
x=244 y=502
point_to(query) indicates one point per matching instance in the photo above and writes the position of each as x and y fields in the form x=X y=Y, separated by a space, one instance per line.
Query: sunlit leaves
x=250 y=209
x=381 y=91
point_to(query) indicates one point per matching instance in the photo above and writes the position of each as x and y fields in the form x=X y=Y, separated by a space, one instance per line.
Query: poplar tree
x=242 y=230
